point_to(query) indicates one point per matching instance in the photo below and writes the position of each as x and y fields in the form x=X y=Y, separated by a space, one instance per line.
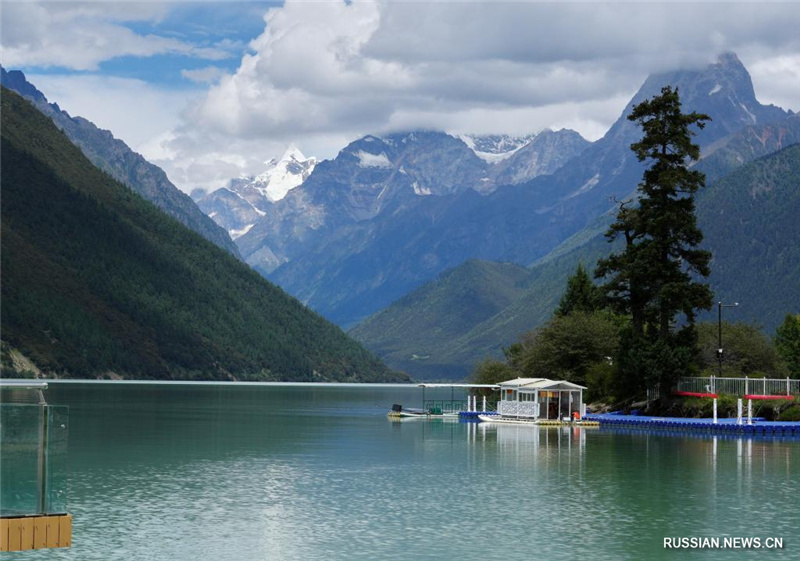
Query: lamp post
x=720 y=305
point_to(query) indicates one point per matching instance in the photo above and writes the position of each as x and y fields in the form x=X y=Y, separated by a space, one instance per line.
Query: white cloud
x=776 y=79
x=82 y=35
x=133 y=110
x=323 y=73
x=206 y=75
x=328 y=72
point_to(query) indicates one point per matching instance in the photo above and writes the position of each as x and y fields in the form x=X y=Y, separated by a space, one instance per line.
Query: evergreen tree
x=748 y=352
x=581 y=294
x=568 y=347
x=652 y=278
x=787 y=342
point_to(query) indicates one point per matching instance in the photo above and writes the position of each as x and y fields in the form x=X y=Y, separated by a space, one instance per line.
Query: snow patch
x=241 y=232
x=752 y=117
x=588 y=186
x=422 y=191
x=715 y=89
x=502 y=147
x=495 y=158
x=367 y=160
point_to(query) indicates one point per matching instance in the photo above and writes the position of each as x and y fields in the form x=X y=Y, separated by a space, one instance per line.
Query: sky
x=211 y=90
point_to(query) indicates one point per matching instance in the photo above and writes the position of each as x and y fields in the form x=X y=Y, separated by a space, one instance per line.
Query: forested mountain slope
x=96 y=281
x=749 y=225
x=115 y=158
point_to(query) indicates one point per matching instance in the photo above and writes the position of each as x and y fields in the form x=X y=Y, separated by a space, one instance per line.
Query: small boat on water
x=398 y=411
x=443 y=408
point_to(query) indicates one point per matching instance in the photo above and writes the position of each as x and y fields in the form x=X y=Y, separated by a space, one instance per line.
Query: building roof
x=518 y=382
x=539 y=383
x=491 y=386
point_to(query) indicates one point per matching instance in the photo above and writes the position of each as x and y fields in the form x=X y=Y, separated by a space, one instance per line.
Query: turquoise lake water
x=278 y=472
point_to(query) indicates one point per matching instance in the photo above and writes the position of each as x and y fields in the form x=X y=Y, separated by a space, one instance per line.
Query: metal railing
x=740 y=386
x=445 y=405
x=518 y=408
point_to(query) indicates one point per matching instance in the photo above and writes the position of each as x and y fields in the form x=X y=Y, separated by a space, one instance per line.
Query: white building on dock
x=541 y=399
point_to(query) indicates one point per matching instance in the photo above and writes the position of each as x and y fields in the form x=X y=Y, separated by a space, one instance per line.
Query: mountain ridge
x=720 y=156
x=359 y=237
x=545 y=282
x=113 y=156
x=97 y=281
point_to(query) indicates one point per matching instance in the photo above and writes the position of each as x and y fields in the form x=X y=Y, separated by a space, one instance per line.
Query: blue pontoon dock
x=732 y=426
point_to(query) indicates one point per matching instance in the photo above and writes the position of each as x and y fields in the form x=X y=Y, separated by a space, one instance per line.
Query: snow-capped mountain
x=388 y=214
x=390 y=188
x=543 y=154
x=516 y=159
x=280 y=177
x=239 y=205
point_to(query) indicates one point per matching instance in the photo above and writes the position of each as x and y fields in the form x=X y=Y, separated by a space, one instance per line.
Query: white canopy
x=539 y=384
x=492 y=386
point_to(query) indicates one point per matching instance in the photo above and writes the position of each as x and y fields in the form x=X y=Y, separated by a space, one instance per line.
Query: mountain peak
x=16 y=80
x=280 y=176
x=723 y=90
x=729 y=59
x=293 y=153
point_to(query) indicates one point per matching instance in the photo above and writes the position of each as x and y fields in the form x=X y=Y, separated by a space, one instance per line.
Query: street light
x=720 y=305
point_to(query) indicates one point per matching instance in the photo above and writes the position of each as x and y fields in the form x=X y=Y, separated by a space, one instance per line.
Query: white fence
x=518 y=408
x=740 y=386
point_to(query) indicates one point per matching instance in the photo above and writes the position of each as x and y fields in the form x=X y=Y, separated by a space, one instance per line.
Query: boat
x=443 y=408
x=400 y=412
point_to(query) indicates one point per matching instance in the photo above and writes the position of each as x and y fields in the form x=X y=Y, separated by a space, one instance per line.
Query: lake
x=294 y=472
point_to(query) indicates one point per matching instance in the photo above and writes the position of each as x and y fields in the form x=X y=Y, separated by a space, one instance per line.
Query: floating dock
x=473 y=415
x=722 y=426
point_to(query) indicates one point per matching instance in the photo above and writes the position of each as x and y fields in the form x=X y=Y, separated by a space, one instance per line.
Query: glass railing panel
x=57 y=433
x=19 y=459
x=33 y=462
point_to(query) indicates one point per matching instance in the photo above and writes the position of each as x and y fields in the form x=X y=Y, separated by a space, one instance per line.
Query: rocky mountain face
x=542 y=155
x=390 y=213
x=238 y=206
x=230 y=211
x=126 y=166
x=347 y=241
x=743 y=213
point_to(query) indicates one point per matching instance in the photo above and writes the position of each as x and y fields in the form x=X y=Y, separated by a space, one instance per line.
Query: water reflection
x=321 y=473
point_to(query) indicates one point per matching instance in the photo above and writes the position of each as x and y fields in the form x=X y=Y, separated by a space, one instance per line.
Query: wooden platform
x=35 y=532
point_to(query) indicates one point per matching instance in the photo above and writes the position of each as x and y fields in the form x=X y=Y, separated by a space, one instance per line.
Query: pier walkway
x=722 y=426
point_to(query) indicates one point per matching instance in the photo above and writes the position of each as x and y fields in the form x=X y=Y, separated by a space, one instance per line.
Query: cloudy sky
x=210 y=90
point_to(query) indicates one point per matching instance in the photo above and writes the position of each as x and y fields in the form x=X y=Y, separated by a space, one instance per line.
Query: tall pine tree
x=581 y=294
x=653 y=277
